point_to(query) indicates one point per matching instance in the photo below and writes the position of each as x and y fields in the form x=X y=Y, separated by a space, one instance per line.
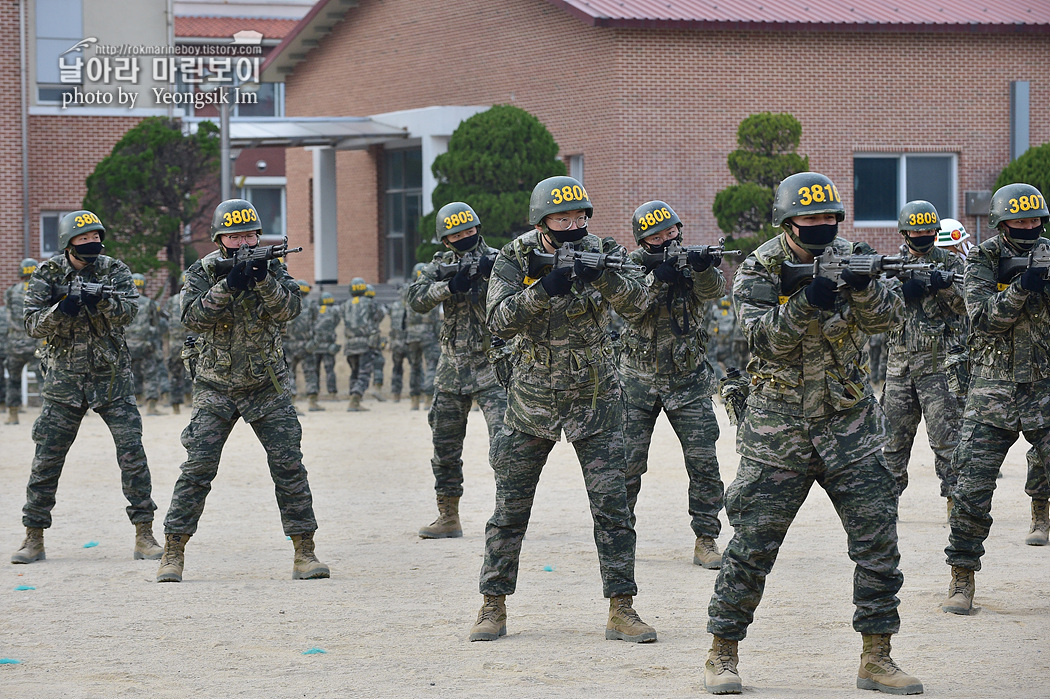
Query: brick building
x=644 y=99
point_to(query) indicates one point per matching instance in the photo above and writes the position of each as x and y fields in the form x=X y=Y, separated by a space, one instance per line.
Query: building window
x=883 y=183
x=269 y=202
x=269 y=102
x=59 y=25
x=49 y=233
x=403 y=177
x=575 y=165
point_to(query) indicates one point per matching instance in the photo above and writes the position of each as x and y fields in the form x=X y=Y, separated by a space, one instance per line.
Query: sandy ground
x=393 y=619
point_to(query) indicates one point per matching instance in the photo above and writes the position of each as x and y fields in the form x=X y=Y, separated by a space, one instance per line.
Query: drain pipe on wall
x=27 y=252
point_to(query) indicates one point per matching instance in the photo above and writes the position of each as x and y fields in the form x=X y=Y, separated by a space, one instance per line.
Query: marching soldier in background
x=88 y=367
x=361 y=316
x=378 y=345
x=180 y=383
x=1010 y=376
x=877 y=358
x=416 y=333
x=563 y=380
x=19 y=346
x=933 y=322
x=325 y=342
x=239 y=314
x=811 y=417
x=664 y=366
x=299 y=347
x=143 y=335
x=721 y=323
x=464 y=373
x=396 y=312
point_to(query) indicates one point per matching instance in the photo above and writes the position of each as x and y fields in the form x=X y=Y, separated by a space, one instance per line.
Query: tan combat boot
x=146 y=547
x=151 y=407
x=314 y=405
x=377 y=392
x=355 y=404
x=176 y=408
x=951 y=506
x=397 y=397
x=625 y=624
x=174 y=559
x=428 y=400
x=960 y=592
x=1040 y=532
x=306 y=566
x=706 y=554
x=879 y=672
x=33 y=546
x=447 y=525
x=415 y=402
x=492 y=619
x=12 y=415
x=720 y=673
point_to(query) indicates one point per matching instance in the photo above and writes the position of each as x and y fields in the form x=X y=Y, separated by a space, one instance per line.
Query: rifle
x=250 y=254
x=470 y=262
x=78 y=288
x=679 y=254
x=794 y=275
x=566 y=256
x=923 y=275
x=1038 y=259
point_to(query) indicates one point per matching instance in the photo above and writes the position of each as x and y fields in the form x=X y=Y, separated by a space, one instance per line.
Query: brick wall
x=11 y=231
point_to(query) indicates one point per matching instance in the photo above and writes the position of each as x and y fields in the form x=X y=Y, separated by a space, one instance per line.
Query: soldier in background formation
x=464 y=373
x=1010 y=378
x=664 y=366
x=143 y=337
x=378 y=345
x=241 y=372
x=179 y=382
x=877 y=358
x=563 y=380
x=721 y=324
x=3 y=357
x=88 y=367
x=411 y=336
x=361 y=316
x=932 y=324
x=300 y=345
x=810 y=417
x=326 y=343
x=20 y=347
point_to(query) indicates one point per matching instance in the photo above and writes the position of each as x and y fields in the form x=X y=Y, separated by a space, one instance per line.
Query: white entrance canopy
x=341 y=133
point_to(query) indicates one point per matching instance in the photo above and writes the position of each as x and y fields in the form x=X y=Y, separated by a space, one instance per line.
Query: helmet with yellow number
x=918 y=215
x=806 y=194
x=455 y=217
x=653 y=217
x=140 y=282
x=234 y=216
x=358 y=286
x=556 y=194
x=1016 y=201
x=27 y=266
x=76 y=222
x=304 y=286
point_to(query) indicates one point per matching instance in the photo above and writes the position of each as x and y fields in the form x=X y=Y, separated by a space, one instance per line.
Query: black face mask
x=1023 y=238
x=815 y=238
x=573 y=235
x=231 y=251
x=662 y=246
x=88 y=252
x=921 y=243
x=465 y=244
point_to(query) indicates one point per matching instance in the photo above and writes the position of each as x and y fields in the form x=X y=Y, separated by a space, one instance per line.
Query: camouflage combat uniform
x=810 y=417
x=1009 y=394
x=721 y=325
x=916 y=385
x=20 y=348
x=300 y=346
x=179 y=381
x=877 y=357
x=663 y=365
x=410 y=335
x=563 y=379
x=88 y=367
x=143 y=335
x=3 y=350
x=325 y=341
x=239 y=374
x=361 y=316
x=464 y=373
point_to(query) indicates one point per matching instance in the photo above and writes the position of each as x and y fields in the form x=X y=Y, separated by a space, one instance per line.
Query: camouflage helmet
x=455 y=217
x=76 y=222
x=358 y=286
x=918 y=215
x=304 y=286
x=27 y=266
x=327 y=299
x=370 y=291
x=140 y=281
x=234 y=216
x=1015 y=201
x=556 y=194
x=417 y=270
x=653 y=217
x=805 y=194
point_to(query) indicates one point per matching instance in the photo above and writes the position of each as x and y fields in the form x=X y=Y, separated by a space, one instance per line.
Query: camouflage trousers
x=517 y=459
x=54 y=432
x=413 y=353
x=148 y=375
x=982 y=449
x=279 y=432
x=179 y=383
x=311 y=376
x=697 y=430
x=448 y=423
x=906 y=400
x=431 y=356
x=762 y=502
x=877 y=359
x=328 y=361
x=360 y=371
x=14 y=361
x=378 y=364
x=1036 y=484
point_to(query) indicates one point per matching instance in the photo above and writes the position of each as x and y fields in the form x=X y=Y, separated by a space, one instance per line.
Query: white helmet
x=952 y=233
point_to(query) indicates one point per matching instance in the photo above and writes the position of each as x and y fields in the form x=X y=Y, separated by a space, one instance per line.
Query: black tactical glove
x=69 y=306
x=485 y=266
x=557 y=282
x=913 y=289
x=700 y=261
x=90 y=300
x=667 y=272
x=258 y=270
x=586 y=274
x=821 y=293
x=460 y=284
x=1032 y=280
x=238 y=277
x=857 y=282
x=938 y=281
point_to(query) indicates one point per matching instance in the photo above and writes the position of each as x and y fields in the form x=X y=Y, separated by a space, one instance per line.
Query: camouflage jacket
x=177 y=332
x=17 y=340
x=398 y=321
x=421 y=328
x=464 y=366
x=86 y=355
x=930 y=325
x=3 y=332
x=361 y=318
x=325 y=329
x=563 y=373
x=663 y=352
x=722 y=320
x=143 y=333
x=240 y=331
x=299 y=333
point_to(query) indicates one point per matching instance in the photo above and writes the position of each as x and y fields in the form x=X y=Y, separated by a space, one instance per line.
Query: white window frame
x=45 y=255
x=902 y=183
x=246 y=183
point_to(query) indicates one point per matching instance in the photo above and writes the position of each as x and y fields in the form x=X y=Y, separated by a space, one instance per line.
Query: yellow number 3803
x=238 y=216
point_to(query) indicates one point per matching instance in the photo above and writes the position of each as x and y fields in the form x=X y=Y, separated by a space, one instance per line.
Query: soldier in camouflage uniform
x=180 y=383
x=378 y=345
x=916 y=384
x=325 y=341
x=414 y=332
x=3 y=355
x=88 y=367
x=396 y=343
x=143 y=334
x=1010 y=377
x=722 y=324
x=239 y=314
x=20 y=347
x=361 y=317
x=464 y=373
x=811 y=417
x=664 y=366
x=877 y=358
x=300 y=346
x=563 y=380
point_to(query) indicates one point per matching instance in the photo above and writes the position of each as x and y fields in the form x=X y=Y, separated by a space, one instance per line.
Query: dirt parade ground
x=393 y=619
